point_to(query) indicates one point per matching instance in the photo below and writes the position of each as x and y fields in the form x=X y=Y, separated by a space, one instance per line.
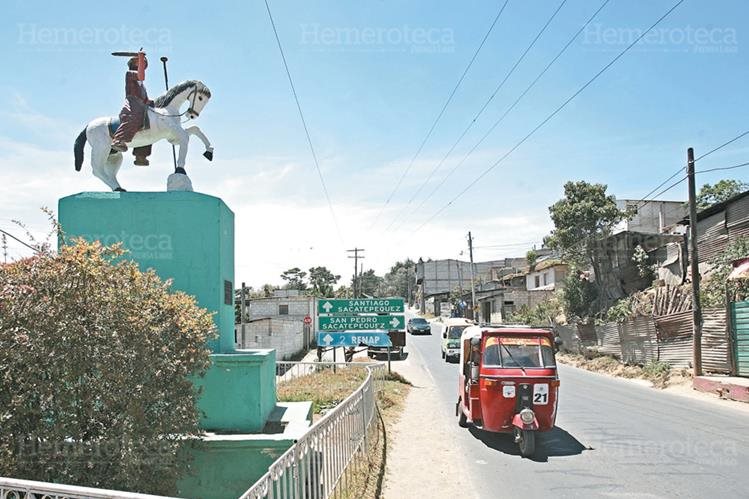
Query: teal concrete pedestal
x=239 y=391
x=184 y=236
x=189 y=238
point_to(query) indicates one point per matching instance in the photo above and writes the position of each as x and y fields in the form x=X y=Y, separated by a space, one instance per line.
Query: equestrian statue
x=143 y=122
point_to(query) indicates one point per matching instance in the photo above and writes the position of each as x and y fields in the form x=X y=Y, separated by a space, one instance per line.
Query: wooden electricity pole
x=356 y=257
x=473 y=284
x=695 y=267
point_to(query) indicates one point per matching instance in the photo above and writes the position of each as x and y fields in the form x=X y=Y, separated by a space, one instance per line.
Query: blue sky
x=371 y=77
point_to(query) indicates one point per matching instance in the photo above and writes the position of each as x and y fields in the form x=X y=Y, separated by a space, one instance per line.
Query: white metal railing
x=323 y=461
x=11 y=488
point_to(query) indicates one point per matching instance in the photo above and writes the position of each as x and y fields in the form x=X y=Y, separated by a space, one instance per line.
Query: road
x=613 y=438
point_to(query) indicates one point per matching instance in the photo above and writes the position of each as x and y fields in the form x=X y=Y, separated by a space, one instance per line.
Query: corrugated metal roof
x=737 y=213
x=717 y=207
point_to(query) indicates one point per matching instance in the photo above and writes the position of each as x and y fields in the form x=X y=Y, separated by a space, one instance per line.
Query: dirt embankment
x=660 y=374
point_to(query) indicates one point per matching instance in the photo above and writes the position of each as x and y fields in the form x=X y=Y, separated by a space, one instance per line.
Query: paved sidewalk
x=420 y=461
x=727 y=387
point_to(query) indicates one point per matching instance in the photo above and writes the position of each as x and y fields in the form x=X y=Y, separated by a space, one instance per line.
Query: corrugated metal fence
x=666 y=338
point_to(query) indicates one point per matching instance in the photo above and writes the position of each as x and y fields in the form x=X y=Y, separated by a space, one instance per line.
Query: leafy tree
x=370 y=284
x=583 y=218
x=94 y=363
x=400 y=280
x=543 y=314
x=579 y=296
x=531 y=256
x=713 y=288
x=294 y=278
x=641 y=259
x=265 y=291
x=322 y=281
x=724 y=189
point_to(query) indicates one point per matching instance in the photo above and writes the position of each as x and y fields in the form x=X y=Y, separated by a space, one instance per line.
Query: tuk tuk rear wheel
x=462 y=419
x=527 y=443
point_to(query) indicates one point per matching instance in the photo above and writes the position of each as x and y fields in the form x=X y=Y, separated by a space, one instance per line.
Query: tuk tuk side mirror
x=474 y=373
x=444 y=333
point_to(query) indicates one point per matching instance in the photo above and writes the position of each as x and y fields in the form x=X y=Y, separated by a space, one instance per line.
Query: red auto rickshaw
x=508 y=381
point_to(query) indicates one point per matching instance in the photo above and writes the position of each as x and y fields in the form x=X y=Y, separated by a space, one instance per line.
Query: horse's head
x=194 y=92
x=199 y=98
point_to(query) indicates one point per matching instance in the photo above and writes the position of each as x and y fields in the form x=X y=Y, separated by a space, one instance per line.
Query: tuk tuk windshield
x=518 y=352
x=454 y=332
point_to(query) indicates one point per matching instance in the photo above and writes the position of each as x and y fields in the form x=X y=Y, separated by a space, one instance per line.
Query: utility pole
x=695 y=266
x=408 y=285
x=473 y=285
x=361 y=280
x=356 y=258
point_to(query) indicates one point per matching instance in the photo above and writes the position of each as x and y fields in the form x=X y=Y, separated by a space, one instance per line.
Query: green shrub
x=94 y=364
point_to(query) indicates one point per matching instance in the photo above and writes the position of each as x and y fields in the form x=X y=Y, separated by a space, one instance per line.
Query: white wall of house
x=284 y=336
x=651 y=218
x=542 y=279
x=295 y=308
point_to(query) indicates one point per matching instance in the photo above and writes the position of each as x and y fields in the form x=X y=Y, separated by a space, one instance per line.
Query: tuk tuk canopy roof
x=477 y=331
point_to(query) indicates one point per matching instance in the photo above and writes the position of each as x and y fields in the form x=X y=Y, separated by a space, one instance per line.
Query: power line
x=304 y=124
x=646 y=198
x=739 y=136
x=507 y=245
x=648 y=201
x=724 y=168
x=20 y=241
x=550 y=116
x=439 y=116
x=507 y=111
x=483 y=108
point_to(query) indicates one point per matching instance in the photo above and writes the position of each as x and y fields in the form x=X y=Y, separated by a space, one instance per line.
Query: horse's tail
x=78 y=149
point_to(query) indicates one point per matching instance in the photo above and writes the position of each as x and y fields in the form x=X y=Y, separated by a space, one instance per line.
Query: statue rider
x=134 y=111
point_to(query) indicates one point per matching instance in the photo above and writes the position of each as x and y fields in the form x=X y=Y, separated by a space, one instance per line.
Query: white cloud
x=282 y=218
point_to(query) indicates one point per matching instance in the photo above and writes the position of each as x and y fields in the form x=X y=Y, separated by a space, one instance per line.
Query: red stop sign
x=307 y=320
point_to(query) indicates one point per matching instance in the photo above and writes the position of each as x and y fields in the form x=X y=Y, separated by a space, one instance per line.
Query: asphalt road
x=613 y=438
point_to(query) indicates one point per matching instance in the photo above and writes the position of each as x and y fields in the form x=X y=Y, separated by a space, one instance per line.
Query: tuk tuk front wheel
x=527 y=443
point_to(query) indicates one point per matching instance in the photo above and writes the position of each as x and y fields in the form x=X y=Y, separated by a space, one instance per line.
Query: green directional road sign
x=361 y=322
x=360 y=306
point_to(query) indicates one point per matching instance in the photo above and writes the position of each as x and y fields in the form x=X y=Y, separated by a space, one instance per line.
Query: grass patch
x=325 y=388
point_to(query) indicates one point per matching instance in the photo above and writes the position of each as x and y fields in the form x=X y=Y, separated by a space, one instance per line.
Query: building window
x=546 y=278
x=283 y=310
x=538 y=282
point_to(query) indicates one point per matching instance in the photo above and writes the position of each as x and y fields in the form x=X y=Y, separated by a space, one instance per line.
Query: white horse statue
x=165 y=123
